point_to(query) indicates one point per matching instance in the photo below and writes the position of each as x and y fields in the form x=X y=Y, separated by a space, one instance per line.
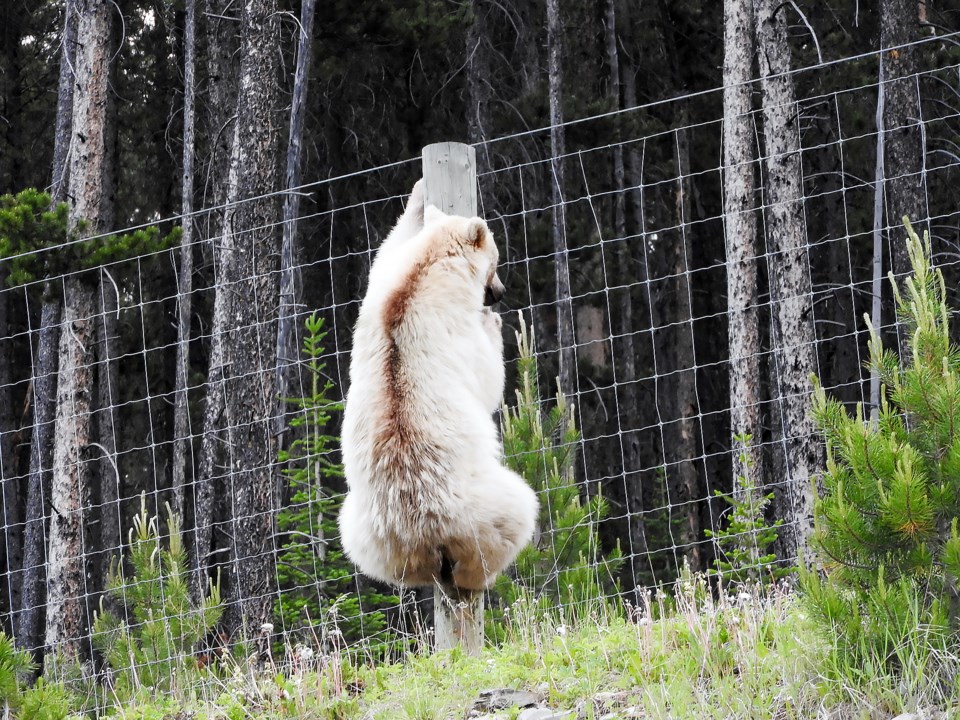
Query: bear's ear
x=476 y=232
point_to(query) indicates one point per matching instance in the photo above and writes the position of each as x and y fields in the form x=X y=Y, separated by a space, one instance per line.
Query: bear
x=428 y=497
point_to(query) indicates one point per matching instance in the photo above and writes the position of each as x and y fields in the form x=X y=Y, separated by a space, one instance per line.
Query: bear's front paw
x=491 y=320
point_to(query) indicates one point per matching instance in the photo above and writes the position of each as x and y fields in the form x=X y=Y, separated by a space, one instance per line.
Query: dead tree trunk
x=566 y=344
x=625 y=360
x=62 y=126
x=221 y=69
x=794 y=357
x=69 y=546
x=11 y=542
x=682 y=433
x=30 y=623
x=740 y=232
x=33 y=594
x=288 y=336
x=70 y=516
x=182 y=441
x=251 y=222
x=904 y=183
x=108 y=399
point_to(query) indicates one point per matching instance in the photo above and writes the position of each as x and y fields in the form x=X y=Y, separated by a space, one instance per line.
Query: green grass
x=692 y=656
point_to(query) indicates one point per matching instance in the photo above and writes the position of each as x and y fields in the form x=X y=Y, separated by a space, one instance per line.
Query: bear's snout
x=493 y=292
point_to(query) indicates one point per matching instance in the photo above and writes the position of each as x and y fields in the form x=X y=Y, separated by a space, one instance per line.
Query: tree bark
x=794 y=337
x=288 y=335
x=222 y=45
x=67 y=554
x=182 y=440
x=625 y=360
x=108 y=399
x=11 y=542
x=681 y=434
x=566 y=344
x=250 y=348
x=33 y=595
x=740 y=232
x=70 y=544
x=904 y=183
x=221 y=65
x=62 y=128
x=31 y=621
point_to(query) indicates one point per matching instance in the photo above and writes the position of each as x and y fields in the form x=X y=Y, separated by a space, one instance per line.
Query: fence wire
x=651 y=397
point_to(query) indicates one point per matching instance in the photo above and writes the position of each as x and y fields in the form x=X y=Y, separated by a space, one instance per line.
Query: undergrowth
x=693 y=653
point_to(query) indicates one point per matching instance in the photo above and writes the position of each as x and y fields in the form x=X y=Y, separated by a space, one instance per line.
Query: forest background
x=694 y=203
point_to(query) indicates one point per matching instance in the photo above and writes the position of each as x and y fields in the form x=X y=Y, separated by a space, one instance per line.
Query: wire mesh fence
x=644 y=240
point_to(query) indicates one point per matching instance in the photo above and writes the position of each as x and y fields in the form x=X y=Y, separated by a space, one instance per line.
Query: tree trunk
x=61 y=131
x=11 y=540
x=33 y=595
x=250 y=349
x=876 y=305
x=108 y=399
x=31 y=619
x=222 y=46
x=902 y=136
x=681 y=434
x=288 y=335
x=566 y=344
x=794 y=359
x=625 y=360
x=70 y=545
x=740 y=232
x=221 y=65
x=182 y=443
x=71 y=514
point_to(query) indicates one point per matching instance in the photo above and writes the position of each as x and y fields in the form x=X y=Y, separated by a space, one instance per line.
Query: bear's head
x=471 y=240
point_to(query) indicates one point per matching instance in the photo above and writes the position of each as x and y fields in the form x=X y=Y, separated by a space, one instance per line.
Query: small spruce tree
x=746 y=538
x=886 y=524
x=151 y=643
x=318 y=584
x=563 y=566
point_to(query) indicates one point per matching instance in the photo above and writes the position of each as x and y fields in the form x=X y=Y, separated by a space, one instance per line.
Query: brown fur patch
x=397 y=441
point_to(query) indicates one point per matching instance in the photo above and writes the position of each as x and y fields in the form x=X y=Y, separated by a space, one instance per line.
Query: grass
x=748 y=655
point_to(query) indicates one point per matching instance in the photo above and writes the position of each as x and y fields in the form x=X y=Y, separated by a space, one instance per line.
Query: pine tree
x=563 y=567
x=886 y=525
x=318 y=585
x=151 y=643
x=745 y=540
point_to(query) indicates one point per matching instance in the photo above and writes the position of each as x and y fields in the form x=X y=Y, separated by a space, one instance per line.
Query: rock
x=545 y=714
x=503 y=698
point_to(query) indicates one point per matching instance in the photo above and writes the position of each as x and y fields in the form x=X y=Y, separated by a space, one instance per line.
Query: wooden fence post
x=450 y=183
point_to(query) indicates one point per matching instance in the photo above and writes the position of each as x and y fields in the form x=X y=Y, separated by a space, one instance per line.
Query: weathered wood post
x=450 y=183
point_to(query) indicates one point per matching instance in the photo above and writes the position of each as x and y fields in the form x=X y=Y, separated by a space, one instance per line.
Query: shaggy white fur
x=428 y=494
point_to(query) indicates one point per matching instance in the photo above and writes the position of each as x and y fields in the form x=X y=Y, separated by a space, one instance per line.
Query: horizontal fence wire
x=647 y=288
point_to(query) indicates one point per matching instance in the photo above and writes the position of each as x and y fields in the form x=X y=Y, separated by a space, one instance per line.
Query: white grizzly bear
x=428 y=496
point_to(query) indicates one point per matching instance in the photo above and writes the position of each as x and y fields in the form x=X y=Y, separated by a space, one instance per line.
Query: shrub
x=886 y=525
x=152 y=640
x=563 y=566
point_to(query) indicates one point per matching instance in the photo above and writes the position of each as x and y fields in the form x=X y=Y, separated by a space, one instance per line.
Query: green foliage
x=317 y=582
x=35 y=236
x=563 y=566
x=151 y=643
x=45 y=701
x=886 y=526
x=28 y=226
x=14 y=664
x=746 y=539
